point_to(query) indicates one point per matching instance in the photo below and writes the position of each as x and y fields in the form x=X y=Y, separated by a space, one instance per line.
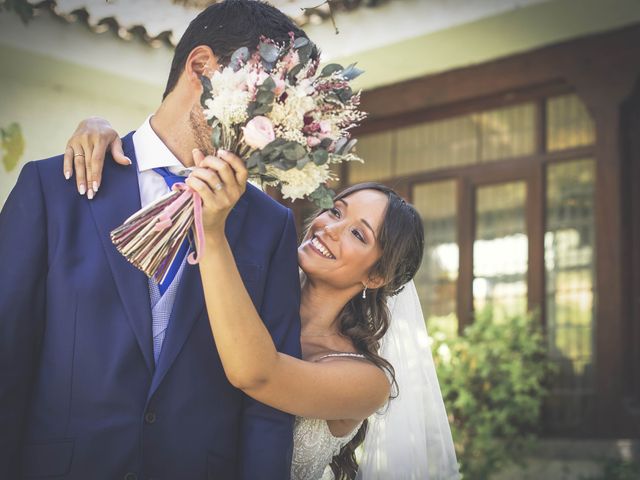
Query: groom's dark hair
x=228 y=25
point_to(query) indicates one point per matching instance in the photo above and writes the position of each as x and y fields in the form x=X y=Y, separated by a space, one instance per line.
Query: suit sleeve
x=267 y=433
x=24 y=264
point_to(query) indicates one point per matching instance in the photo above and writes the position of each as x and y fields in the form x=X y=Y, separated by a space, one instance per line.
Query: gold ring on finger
x=78 y=154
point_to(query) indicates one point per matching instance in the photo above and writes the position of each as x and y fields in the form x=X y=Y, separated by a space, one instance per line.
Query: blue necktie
x=171 y=179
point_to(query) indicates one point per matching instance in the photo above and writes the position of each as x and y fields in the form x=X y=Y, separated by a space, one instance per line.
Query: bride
x=357 y=261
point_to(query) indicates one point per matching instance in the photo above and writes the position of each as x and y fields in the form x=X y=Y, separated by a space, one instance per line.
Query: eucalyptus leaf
x=333 y=98
x=345 y=94
x=304 y=53
x=294 y=152
x=206 y=83
x=300 y=42
x=216 y=136
x=302 y=162
x=351 y=72
x=265 y=96
x=340 y=145
x=294 y=72
x=326 y=143
x=330 y=69
x=320 y=157
x=268 y=66
x=349 y=146
x=259 y=109
x=253 y=160
x=239 y=57
x=268 y=85
x=268 y=52
x=323 y=197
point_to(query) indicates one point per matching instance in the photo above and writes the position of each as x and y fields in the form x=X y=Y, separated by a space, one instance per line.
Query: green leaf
x=256 y=108
x=322 y=197
x=304 y=53
x=351 y=72
x=302 y=162
x=12 y=146
x=349 y=146
x=330 y=69
x=265 y=97
x=333 y=98
x=206 y=90
x=268 y=52
x=340 y=144
x=320 y=157
x=300 y=42
x=345 y=94
x=326 y=143
x=253 y=160
x=294 y=72
x=239 y=57
x=294 y=151
x=269 y=84
x=216 y=136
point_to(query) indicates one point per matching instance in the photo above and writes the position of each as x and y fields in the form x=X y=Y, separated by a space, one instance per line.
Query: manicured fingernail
x=67 y=175
x=130 y=162
x=95 y=186
x=90 y=194
x=82 y=189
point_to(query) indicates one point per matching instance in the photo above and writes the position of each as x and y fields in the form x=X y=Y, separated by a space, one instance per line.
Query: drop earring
x=364 y=292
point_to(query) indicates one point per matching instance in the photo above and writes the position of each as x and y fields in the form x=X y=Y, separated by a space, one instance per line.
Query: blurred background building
x=512 y=125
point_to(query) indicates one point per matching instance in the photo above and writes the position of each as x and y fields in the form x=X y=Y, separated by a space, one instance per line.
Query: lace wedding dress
x=314 y=446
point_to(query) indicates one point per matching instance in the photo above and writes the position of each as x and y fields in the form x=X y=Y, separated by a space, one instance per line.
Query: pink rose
x=258 y=132
x=313 y=141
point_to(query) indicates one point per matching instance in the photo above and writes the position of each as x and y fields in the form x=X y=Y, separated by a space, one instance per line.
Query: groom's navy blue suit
x=80 y=395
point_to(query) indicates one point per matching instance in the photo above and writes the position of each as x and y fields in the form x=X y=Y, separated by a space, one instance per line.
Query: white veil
x=412 y=439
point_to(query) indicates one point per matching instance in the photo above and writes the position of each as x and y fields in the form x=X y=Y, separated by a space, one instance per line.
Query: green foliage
x=493 y=383
x=12 y=145
x=617 y=470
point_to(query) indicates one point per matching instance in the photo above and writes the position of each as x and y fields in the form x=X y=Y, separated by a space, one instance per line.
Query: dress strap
x=342 y=354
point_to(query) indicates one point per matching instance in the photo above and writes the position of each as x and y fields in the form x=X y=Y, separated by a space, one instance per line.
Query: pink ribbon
x=164 y=218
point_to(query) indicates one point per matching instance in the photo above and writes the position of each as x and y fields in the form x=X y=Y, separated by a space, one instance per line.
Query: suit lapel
x=120 y=197
x=189 y=304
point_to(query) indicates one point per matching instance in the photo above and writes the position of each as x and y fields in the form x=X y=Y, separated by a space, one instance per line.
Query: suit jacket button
x=131 y=476
x=150 y=417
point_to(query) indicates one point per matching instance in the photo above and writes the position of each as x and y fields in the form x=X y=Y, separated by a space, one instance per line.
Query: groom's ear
x=201 y=61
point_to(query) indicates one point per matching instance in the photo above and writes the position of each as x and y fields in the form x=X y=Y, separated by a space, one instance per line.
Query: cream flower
x=298 y=183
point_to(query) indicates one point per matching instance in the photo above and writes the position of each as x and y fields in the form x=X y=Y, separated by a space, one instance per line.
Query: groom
x=105 y=375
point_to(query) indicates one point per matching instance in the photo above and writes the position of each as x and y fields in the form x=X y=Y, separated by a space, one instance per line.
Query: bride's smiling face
x=341 y=245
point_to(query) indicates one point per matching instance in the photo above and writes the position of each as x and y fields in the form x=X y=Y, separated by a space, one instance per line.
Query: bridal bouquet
x=279 y=112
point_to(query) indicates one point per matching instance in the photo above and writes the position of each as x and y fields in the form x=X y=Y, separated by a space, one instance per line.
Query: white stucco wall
x=47 y=95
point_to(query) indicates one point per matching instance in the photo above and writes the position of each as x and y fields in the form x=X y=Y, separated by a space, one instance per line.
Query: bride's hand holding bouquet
x=220 y=181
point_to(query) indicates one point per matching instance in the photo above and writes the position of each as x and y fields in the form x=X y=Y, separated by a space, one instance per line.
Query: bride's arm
x=339 y=389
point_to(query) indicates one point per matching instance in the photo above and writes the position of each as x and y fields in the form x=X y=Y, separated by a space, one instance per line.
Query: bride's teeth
x=321 y=248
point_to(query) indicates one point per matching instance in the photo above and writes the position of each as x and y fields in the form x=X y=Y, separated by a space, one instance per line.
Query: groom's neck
x=172 y=124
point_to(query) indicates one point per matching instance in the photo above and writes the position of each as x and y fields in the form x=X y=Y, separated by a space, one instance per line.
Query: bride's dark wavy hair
x=365 y=321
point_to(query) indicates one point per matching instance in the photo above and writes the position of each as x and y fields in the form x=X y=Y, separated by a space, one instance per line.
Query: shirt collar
x=151 y=152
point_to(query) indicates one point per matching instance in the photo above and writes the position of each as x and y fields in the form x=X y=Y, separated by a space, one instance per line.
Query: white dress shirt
x=152 y=153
